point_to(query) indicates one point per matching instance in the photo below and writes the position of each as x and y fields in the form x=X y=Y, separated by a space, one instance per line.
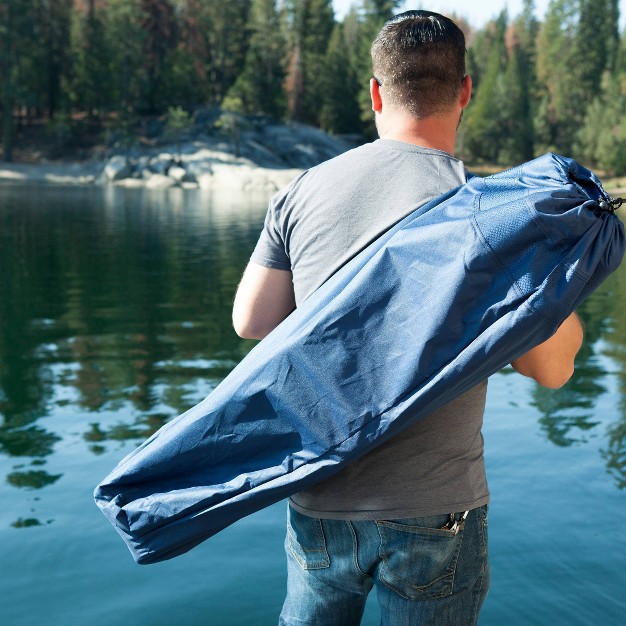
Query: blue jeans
x=424 y=573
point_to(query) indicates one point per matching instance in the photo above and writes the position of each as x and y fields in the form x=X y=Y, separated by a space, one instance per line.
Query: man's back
x=331 y=212
x=313 y=228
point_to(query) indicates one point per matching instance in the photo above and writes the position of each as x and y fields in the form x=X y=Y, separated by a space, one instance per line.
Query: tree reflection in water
x=116 y=304
x=568 y=415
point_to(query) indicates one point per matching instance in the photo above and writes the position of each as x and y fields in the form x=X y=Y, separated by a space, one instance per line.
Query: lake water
x=115 y=317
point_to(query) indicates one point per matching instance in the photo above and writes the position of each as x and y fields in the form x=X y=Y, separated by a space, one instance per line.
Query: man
x=409 y=517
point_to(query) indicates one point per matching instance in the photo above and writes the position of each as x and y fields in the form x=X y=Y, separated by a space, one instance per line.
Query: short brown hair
x=419 y=57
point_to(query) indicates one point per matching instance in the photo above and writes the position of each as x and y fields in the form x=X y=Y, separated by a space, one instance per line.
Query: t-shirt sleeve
x=271 y=249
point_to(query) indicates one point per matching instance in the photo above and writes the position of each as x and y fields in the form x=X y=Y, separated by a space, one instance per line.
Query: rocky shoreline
x=264 y=158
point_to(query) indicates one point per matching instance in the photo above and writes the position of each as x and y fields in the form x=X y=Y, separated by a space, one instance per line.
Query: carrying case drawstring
x=611 y=205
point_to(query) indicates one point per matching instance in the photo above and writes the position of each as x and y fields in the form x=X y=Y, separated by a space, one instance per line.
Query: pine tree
x=372 y=16
x=159 y=26
x=483 y=130
x=611 y=34
x=526 y=29
x=124 y=38
x=516 y=145
x=309 y=28
x=480 y=52
x=601 y=141
x=227 y=50
x=185 y=80
x=7 y=74
x=259 y=87
x=91 y=86
x=558 y=89
x=23 y=75
x=210 y=51
x=519 y=86
x=590 y=47
x=340 y=109
x=56 y=20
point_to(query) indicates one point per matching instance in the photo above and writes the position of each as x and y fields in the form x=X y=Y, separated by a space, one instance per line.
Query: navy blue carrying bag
x=451 y=294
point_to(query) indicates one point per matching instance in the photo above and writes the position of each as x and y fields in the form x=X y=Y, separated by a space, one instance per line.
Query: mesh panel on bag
x=514 y=236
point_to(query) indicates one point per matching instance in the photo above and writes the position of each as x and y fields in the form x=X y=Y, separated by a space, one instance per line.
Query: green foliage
x=486 y=43
x=90 y=81
x=372 y=15
x=558 y=81
x=54 y=22
x=516 y=123
x=232 y=122
x=225 y=44
x=590 y=50
x=602 y=138
x=259 y=86
x=309 y=27
x=558 y=85
x=177 y=120
x=483 y=128
x=120 y=130
x=124 y=41
x=339 y=88
x=159 y=40
x=61 y=132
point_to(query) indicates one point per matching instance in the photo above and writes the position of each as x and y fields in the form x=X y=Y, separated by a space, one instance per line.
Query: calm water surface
x=115 y=317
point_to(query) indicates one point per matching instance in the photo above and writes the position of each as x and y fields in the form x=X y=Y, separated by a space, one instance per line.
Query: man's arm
x=264 y=299
x=551 y=363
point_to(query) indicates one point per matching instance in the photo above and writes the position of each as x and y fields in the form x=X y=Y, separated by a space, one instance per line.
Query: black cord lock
x=611 y=205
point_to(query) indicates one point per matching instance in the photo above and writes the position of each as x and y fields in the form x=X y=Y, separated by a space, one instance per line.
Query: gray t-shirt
x=313 y=227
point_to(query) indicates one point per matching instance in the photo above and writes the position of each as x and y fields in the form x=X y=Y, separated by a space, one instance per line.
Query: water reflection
x=142 y=428
x=569 y=415
x=27 y=523
x=115 y=317
x=615 y=453
x=32 y=479
x=113 y=303
x=613 y=306
x=32 y=441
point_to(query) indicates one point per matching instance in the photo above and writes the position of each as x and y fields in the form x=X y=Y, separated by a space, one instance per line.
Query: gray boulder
x=160 y=181
x=177 y=173
x=117 y=168
x=161 y=164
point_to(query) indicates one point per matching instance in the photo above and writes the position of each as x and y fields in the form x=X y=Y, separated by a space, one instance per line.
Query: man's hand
x=551 y=363
x=264 y=299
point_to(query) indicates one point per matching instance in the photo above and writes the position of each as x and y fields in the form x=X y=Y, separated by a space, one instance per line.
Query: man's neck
x=432 y=132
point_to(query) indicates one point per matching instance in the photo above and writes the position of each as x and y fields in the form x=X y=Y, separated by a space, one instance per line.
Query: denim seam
x=321 y=553
x=483 y=531
x=478 y=594
x=482 y=520
x=355 y=549
x=322 y=564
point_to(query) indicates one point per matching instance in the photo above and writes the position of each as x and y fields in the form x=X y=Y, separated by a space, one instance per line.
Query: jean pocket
x=419 y=557
x=305 y=541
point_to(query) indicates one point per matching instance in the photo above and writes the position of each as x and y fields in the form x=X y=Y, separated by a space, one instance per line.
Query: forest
x=88 y=70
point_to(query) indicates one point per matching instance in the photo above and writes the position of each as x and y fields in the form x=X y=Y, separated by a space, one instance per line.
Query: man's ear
x=377 y=102
x=466 y=91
